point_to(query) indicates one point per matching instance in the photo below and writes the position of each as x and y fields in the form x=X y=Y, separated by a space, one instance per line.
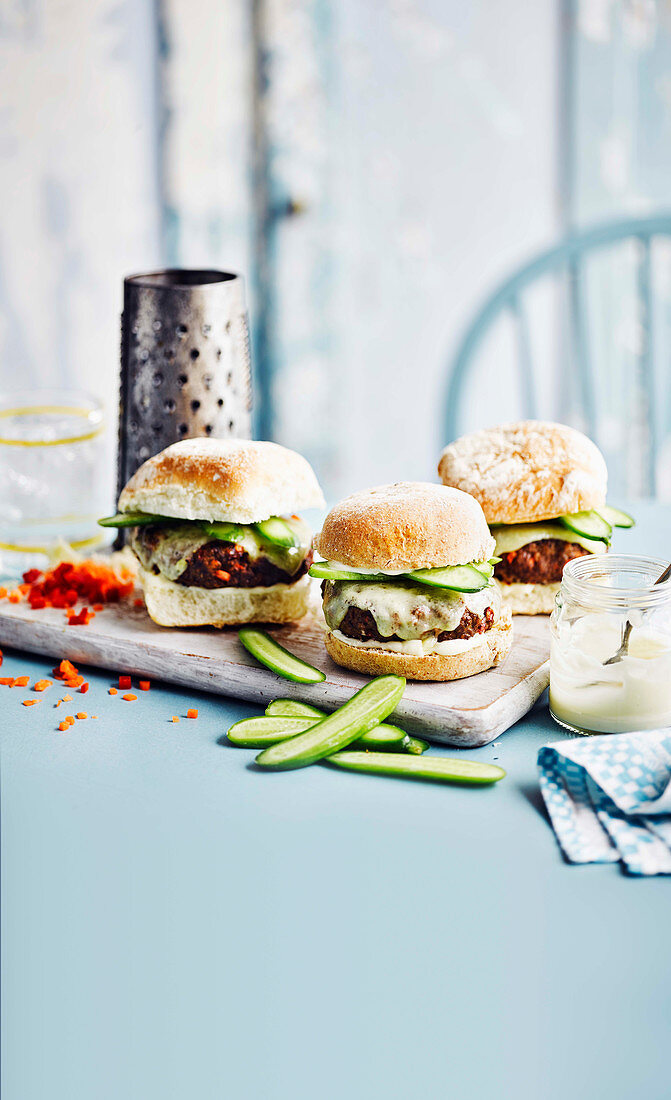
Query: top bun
x=236 y=480
x=527 y=471
x=410 y=525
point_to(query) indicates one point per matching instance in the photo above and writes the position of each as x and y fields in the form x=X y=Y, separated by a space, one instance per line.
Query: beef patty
x=220 y=564
x=539 y=562
x=361 y=625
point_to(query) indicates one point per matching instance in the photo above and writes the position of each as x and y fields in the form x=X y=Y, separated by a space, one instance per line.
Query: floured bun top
x=239 y=480
x=528 y=471
x=410 y=525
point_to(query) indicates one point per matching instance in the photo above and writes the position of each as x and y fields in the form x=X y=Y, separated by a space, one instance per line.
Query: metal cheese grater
x=185 y=362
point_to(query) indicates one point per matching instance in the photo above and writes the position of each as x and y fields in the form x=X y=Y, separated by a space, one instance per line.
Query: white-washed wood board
x=122 y=637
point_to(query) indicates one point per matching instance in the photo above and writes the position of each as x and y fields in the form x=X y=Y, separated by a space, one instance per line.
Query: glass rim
x=180 y=278
x=22 y=403
x=581 y=576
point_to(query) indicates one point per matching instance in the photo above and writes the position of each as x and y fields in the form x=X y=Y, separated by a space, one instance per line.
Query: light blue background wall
x=373 y=166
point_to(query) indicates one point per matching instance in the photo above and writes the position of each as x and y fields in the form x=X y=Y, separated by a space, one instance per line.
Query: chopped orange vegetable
x=129 y=698
x=29 y=702
x=8 y=681
x=112 y=691
x=84 y=688
x=66 y=670
x=3 y=592
x=14 y=597
x=70 y=720
x=144 y=685
x=89 y=581
x=94 y=715
x=192 y=713
x=124 y=682
x=63 y=726
x=42 y=685
x=67 y=698
x=21 y=681
x=175 y=718
x=1 y=657
x=81 y=714
x=97 y=607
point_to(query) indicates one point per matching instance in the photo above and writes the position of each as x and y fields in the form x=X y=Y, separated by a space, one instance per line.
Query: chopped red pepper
x=124 y=682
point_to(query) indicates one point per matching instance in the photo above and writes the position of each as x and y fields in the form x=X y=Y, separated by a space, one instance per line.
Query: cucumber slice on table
x=133 y=519
x=616 y=517
x=278 y=659
x=460 y=578
x=326 y=571
x=442 y=768
x=257 y=733
x=384 y=734
x=292 y=708
x=590 y=525
x=226 y=532
x=357 y=716
x=277 y=531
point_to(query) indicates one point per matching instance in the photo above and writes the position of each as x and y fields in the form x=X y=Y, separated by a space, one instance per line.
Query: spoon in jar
x=624 y=645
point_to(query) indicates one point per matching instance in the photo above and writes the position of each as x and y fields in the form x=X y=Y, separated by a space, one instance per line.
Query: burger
x=407 y=584
x=542 y=487
x=214 y=526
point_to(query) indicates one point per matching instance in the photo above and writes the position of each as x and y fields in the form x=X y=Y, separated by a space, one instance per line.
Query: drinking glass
x=52 y=475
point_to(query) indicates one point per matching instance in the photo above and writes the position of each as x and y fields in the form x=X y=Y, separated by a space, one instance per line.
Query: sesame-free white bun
x=409 y=525
x=236 y=480
x=527 y=471
x=171 y=604
x=529 y=599
x=491 y=649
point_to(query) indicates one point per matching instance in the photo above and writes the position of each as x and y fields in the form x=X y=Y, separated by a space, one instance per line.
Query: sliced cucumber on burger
x=132 y=519
x=460 y=578
x=591 y=525
x=616 y=517
x=226 y=532
x=327 y=571
x=277 y=531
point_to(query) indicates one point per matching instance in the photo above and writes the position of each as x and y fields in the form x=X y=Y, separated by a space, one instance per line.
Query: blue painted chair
x=565 y=264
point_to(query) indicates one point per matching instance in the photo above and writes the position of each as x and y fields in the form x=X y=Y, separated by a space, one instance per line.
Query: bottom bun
x=171 y=604
x=529 y=599
x=492 y=648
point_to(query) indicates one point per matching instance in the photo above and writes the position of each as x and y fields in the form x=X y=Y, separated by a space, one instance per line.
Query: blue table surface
x=177 y=925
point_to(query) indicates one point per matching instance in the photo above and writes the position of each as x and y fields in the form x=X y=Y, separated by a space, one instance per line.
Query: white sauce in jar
x=632 y=694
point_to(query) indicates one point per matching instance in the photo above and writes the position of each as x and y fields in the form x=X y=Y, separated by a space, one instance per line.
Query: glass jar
x=599 y=595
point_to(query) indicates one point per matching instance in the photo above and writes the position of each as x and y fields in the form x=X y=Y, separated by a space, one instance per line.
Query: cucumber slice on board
x=357 y=716
x=226 y=532
x=278 y=659
x=258 y=733
x=133 y=519
x=588 y=524
x=326 y=571
x=460 y=578
x=277 y=531
x=441 y=768
x=616 y=517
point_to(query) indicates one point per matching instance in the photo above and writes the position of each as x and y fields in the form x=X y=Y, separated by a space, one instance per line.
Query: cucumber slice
x=133 y=519
x=495 y=560
x=442 y=768
x=460 y=578
x=485 y=568
x=416 y=746
x=226 y=532
x=616 y=517
x=258 y=733
x=588 y=524
x=292 y=708
x=278 y=659
x=277 y=531
x=325 y=571
x=359 y=715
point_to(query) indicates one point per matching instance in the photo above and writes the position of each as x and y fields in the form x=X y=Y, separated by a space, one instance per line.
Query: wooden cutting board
x=122 y=637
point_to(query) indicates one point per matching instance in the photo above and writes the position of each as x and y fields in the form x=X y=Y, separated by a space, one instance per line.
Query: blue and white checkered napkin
x=609 y=799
